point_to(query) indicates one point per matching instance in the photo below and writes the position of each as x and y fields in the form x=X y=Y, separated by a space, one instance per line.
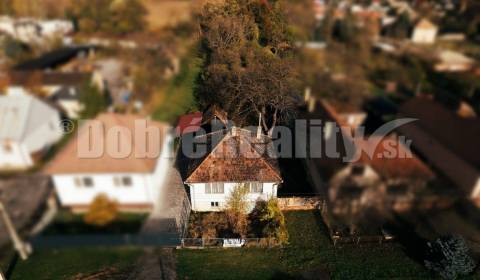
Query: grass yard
x=177 y=96
x=67 y=263
x=310 y=252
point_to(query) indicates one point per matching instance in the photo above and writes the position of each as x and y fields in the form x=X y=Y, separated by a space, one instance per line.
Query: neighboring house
x=390 y=180
x=62 y=88
x=448 y=141
x=451 y=61
x=133 y=180
x=28 y=127
x=26 y=200
x=69 y=99
x=425 y=32
x=232 y=157
x=30 y=30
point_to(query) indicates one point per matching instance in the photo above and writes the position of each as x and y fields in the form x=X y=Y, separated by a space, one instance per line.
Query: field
x=163 y=13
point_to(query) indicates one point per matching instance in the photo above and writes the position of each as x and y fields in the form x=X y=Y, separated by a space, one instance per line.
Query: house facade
x=133 y=181
x=234 y=157
x=28 y=127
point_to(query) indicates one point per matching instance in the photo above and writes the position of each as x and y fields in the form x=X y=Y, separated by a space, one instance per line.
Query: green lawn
x=66 y=263
x=179 y=97
x=310 y=251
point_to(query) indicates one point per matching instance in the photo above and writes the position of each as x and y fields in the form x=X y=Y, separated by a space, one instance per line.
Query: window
x=214 y=187
x=88 y=182
x=127 y=181
x=214 y=204
x=77 y=181
x=83 y=182
x=256 y=187
x=122 y=181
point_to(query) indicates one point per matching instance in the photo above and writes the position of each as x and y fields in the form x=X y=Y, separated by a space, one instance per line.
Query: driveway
x=171 y=213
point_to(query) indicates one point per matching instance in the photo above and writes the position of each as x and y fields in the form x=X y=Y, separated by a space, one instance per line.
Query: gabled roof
x=20 y=115
x=233 y=155
x=395 y=167
x=68 y=160
x=401 y=164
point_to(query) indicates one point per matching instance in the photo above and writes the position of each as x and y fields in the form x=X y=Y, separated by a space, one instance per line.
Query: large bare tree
x=248 y=67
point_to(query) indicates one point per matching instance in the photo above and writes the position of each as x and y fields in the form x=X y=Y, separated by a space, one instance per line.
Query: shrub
x=236 y=210
x=101 y=212
x=268 y=220
x=449 y=257
x=211 y=225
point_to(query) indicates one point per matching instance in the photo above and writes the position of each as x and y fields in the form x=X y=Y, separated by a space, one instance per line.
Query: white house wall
x=201 y=201
x=139 y=193
x=424 y=36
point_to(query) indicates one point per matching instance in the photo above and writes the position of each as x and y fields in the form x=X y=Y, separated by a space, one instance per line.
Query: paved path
x=168 y=214
x=155 y=265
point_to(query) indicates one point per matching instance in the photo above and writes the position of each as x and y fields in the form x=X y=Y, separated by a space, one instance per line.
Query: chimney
x=311 y=104
x=307 y=95
x=259 y=128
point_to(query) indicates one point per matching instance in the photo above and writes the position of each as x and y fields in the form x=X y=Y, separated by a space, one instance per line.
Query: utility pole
x=23 y=249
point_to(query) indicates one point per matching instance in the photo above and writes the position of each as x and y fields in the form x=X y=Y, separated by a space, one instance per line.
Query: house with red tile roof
x=383 y=173
x=123 y=156
x=229 y=158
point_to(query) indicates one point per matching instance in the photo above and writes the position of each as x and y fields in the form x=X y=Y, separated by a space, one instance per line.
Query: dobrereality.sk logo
x=305 y=139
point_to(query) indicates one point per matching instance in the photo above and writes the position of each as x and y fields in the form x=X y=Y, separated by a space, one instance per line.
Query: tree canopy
x=118 y=17
x=248 y=67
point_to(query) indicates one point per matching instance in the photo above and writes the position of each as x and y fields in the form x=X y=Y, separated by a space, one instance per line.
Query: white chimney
x=311 y=104
x=307 y=95
x=259 y=128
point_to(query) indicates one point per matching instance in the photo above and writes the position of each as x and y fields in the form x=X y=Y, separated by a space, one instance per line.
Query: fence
x=359 y=239
x=301 y=203
x=201 y=243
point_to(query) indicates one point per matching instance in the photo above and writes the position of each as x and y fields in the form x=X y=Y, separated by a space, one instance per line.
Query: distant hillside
x=160 y=12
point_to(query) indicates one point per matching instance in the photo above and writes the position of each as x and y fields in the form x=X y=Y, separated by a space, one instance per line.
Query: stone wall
x=301 y=203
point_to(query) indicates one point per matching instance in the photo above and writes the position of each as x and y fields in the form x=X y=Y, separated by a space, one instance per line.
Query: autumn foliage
x=101 y=212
